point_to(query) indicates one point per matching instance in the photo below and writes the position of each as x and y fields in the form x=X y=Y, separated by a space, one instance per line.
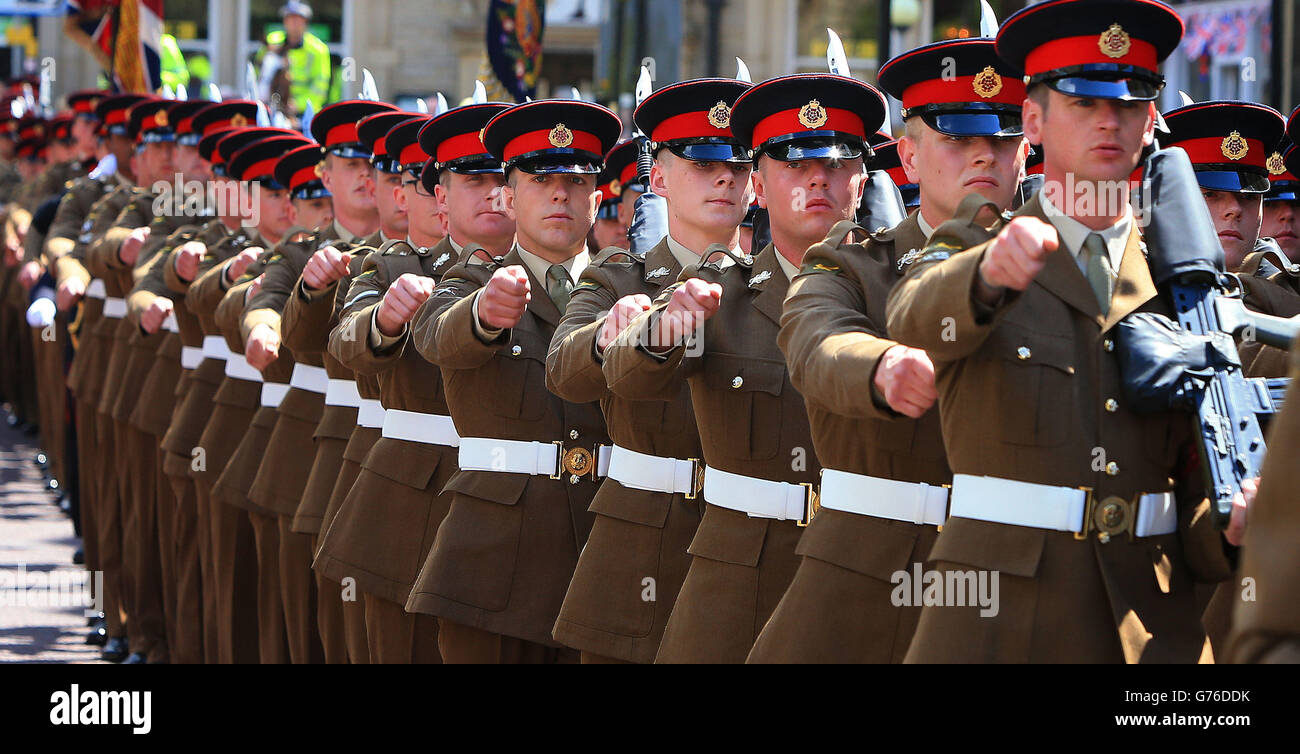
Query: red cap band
x=692 y=125
x=536 y=141
x=1070 y=51
x=787 y=122
x=1211 y=150
x=344 y=133
x=412 y=153
x=1010 y=91
x=302 y=177
x=461 y=145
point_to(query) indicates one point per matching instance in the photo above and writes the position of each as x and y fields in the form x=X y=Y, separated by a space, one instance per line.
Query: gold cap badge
x=160 y=118
x=560 y=136
x=319 y=169
x=987 y=82
x=1275 y=164
x=1234 y=147
x=1114 y=42
x=616 y=187
x=812 y=115
x=720 y=115
x=238 y=120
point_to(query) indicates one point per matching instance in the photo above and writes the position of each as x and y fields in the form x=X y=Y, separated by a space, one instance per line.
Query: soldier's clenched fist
x=153 y=317
x=504 y=299
x=401 y=301
x=129 y=251
x=690 y=306
x=905 y=377
x=625 y=309
x=188 y=257
x=236 y=266
x=1018 y=253
x=262 y=346
x=69 y=293
x=327 y=266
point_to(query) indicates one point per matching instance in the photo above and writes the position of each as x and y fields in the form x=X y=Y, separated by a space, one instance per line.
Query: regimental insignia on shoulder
x=720 y=115
x=274 y=258
x=587 y=285
x=367 y=273
x=658 y=272
x=448 y=286
x=987 y=82
x=812 y=115
x=1275 y=164
x=760 y=278
x=1234 y=147
x=560 y=136
x=834 y=269
x=1114 y=42
x=442 y=258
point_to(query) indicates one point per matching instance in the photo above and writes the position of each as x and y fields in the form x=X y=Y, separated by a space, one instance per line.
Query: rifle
x=1194 y=364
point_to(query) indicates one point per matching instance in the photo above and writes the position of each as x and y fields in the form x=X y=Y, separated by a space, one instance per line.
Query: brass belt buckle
x=578 y=461
x=1109 y=517
x=697 y=479
x=811 y=504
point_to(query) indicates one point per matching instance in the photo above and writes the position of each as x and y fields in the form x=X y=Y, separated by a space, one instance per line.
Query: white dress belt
x=214 y=347
x=914 y=502
x=273 y=393
x=530 y=457
x=191 y=356
x=413 y=426
x=170 y=325
x=96 y=289
x=306 y=377
x=760 y=498
x=1042 y=506
x=370 y=414
x=239 y=368
x=342 y=393
x=114 y=308
x=642 y=471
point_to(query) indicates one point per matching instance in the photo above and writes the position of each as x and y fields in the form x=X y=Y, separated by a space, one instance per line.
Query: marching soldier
x=346 y=172
x=648 y=508
x=610 y=230
x=1282 y=202
x=885 y=477
x=387 y=524
x=717 y=330
x=341 y=440
x=505 y=553
x=240 y=588
x=1050 y=466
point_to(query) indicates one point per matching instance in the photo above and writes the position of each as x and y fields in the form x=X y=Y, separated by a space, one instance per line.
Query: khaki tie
x=559 y=286
x=1101 y=278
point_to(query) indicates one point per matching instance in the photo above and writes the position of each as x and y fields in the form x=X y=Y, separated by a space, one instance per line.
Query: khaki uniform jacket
x=505 y=553
x=638 y=534
x=1024 y=395
x=752 y=422
x=833 y=336
x=384 y=529
x=1267 y=629
x=86 y=376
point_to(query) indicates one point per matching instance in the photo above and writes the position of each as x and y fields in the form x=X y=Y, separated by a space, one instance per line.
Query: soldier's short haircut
x=1039 y=94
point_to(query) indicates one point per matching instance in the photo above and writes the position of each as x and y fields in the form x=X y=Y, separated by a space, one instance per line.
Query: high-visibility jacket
x=308 y=68
x=174 y=71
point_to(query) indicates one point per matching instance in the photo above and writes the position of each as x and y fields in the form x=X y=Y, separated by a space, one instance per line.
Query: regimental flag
x=514 y=44
x=131 y=36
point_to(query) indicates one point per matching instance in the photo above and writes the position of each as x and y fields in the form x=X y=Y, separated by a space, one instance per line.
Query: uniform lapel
x=768 y=284
x=1134 y=286
x=1060 y=275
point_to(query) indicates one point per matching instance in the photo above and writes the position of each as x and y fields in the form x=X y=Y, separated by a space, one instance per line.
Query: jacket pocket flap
x=642 y=507
x=744 y=373
x=407 y=463
x=493 y=486
x=869 y=546
x=730 y=537
x=995 y=547
x=1031 y=347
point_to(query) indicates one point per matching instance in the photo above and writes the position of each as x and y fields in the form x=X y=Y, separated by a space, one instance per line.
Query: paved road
x=34 y=535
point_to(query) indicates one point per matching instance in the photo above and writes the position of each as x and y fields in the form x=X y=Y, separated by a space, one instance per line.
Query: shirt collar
x=926 y=230
x=343 y=233
x=1074 y=233
x=789 y=269
x=539 y=266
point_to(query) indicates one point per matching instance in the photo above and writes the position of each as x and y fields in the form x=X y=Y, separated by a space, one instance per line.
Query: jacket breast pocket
x=745 y=389
x=1036 y=373
x=517 y=369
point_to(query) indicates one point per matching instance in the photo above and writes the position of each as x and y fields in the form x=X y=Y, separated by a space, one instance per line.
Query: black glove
x=1162 y=366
